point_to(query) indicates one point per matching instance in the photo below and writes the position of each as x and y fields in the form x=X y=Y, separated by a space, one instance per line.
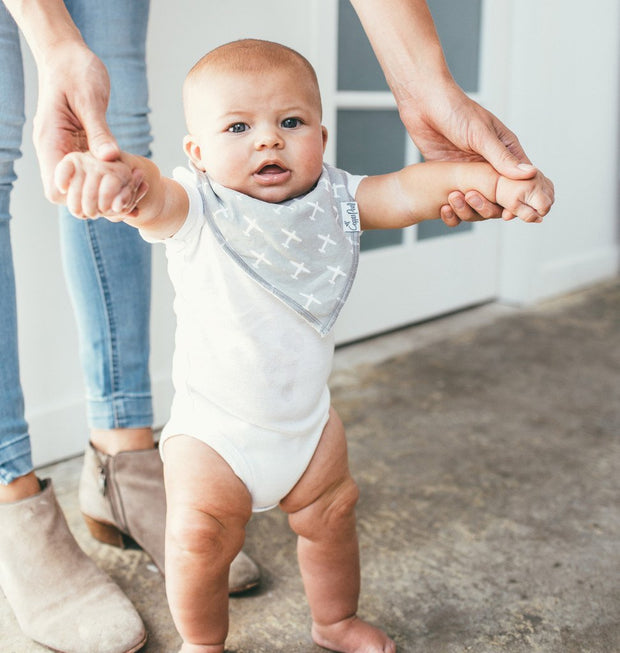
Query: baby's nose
x=268 y=139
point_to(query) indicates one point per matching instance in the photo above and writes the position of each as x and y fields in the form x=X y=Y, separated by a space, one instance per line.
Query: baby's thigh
x=327 y=476
x=198 y=479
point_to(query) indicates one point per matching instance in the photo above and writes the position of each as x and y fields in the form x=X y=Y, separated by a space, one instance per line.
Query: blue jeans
x=107 y=265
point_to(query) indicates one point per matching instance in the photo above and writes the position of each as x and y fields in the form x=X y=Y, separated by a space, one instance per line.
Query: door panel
x=420 y=272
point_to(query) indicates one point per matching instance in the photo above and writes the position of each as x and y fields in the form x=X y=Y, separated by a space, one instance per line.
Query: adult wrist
x=423 y=80
x=46 y=24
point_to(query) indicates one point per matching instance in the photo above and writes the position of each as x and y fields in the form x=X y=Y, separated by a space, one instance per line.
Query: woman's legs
x=108 y=266
x=47 y=579
x=15 y=457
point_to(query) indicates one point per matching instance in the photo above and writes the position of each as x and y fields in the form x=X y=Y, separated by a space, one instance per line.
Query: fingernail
x=143 y=194
x=475 y=202
x=459 y=202
x=526 y=166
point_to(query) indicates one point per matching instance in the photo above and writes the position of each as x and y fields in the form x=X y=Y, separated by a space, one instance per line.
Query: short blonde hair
x=253 y=56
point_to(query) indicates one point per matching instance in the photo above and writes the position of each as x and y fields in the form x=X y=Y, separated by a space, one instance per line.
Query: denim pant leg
x=108 y=266
x=15 y=458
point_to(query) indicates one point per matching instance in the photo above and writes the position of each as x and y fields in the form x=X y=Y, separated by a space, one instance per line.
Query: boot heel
x=105 y=533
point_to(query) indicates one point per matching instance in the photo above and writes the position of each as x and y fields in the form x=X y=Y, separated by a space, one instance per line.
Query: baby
x=262 y=240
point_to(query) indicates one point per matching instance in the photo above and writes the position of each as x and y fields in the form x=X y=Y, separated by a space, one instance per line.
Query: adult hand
x=74 y=89
x=446 y=125
x=443 y=122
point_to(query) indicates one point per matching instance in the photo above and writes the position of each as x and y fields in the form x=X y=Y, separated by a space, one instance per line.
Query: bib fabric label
x=350 y=216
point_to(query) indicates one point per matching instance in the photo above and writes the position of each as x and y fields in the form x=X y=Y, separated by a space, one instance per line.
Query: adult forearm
x=403 y=36
x=44 y=23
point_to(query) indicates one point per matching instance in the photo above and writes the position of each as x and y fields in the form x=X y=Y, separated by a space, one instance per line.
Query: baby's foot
x=352 y=635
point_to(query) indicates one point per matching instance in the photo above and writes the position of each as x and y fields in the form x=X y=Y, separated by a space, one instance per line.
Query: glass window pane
x=371 y=142
x=458 y=26
x=378 y=238
x=437 y=229
x=358 y=69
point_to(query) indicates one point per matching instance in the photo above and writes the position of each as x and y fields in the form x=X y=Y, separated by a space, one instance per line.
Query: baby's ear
x=192 y=149
x=324 y=132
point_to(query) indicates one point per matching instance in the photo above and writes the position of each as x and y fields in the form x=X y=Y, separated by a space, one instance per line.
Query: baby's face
x=258 y=134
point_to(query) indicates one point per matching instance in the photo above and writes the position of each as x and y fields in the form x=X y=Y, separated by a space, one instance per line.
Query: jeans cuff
x=126 y=412
x=15 y=459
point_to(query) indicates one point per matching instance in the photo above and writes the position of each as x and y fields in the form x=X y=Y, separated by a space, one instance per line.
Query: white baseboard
x=560 y=276
x=571 y=274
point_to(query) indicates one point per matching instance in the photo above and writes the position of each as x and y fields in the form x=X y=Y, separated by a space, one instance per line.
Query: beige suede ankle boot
x=60 y=597
x=123 y=496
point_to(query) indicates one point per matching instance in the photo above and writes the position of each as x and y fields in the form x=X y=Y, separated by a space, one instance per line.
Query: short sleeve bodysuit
x=258 y=288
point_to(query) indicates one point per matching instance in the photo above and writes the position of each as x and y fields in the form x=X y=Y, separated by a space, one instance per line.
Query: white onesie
x=258 y=287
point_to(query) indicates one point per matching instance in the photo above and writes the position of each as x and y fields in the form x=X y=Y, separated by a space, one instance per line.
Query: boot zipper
x=102 y=481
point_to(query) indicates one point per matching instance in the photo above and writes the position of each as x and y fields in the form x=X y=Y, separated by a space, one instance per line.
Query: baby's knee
x=332 y=512
x=193 y=532
x=342 y=504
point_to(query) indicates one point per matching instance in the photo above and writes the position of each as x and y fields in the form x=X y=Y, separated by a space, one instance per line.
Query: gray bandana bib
x=304 y=250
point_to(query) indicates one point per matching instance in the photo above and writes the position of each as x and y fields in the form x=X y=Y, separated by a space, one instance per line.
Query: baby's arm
x=417 y=193
x=94 y=188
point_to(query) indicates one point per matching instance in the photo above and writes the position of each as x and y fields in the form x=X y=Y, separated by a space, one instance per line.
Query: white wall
x=563 y=104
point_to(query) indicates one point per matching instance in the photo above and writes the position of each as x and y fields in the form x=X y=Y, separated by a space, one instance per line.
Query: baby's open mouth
x=272 y=174
x=271 y=169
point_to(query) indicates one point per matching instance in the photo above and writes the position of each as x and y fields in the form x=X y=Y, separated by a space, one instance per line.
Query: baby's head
x=253 y=112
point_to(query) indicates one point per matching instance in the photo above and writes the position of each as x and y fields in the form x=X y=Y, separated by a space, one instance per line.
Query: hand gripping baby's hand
x=94 y=188
x=527 y=199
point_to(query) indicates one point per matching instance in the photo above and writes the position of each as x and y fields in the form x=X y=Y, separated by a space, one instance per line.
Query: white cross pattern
x=311 y=299
x=325 y=181
x=299 y=267
x=251 y=225
x=223 y=210
x=326 y=241
x=290 y=235
x=337 y=273
x=260 y=258
x=336 y=187
x=317 y=208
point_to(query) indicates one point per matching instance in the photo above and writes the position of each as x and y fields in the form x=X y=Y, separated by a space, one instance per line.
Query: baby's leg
x=207 y=510
x=321 y=511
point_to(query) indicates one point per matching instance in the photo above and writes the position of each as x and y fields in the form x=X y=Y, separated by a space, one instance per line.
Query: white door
x=413 y=274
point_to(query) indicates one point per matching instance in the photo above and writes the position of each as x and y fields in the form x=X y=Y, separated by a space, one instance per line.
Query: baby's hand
x=526 y=199
x=94 y=188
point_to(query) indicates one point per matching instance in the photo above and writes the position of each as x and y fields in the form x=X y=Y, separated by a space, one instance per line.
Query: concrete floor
x=486 y=446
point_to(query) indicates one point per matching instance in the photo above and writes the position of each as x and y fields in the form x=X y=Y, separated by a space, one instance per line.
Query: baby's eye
x=291 y=123
x=238 y=128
